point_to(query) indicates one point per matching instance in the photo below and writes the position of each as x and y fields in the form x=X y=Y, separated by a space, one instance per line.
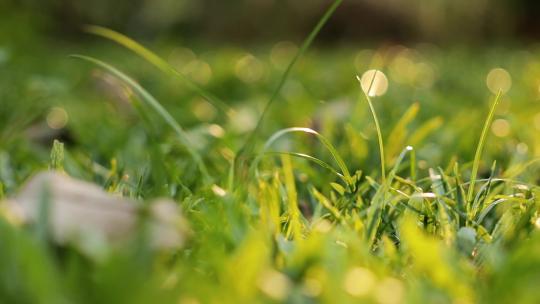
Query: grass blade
x=158 y=62
x=294 y=229
x=322 y=139
x=247 y=146
x=377 y=126
x=480 y=147
x=152 y=102
x=310 y=158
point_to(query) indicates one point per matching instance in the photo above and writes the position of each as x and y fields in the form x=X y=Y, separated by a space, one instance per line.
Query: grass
x=316 y=217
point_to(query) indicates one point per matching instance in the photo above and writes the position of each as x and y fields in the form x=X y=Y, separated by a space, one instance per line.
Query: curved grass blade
x=480 y=148
x=153 y=103
x=158 y=62
x=319 y=162
x=377 y=125
x=322 y=139
x=495 y=203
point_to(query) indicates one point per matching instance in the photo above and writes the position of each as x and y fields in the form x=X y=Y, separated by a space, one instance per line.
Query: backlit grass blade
x=158 y=62
x=310 y=158
x=377 y=126
x=322 y=139
x=480 y=147
x=153 y=103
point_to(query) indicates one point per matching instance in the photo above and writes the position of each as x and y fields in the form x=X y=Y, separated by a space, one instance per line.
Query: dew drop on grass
x=375 y=81
x=499 y=79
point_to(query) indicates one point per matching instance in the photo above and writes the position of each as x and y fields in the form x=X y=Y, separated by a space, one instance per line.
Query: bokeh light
x=216 y=130
x=390 y=291
x=180 y=57
x=499 y=79
x=275 y=284
x=500 y=127
x=282 y=53
x=203 y=110
x=359 y=281
x=374 y=83
x=522 y=148
x=57 y=118
x=199 y=71
x=362 y=59
x=249 y=69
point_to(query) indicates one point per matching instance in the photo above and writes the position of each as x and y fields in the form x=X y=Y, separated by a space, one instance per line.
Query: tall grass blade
x=248 y=145
x=377 y=126
x=480 y=147
x=158 y=62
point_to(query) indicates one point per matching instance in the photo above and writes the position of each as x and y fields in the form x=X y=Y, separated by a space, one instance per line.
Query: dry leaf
x=78 y=210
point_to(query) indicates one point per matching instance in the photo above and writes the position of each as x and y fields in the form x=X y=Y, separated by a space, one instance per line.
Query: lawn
x=418 y=184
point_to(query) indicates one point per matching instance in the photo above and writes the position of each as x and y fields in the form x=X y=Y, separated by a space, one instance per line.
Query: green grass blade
x=245 y=149
x=377 y=126
x=294 y=230
x=325 y=202
x=153 y=103
x=379 y=200
x=339 y=161
x=319 y=162
x=480 y=147
x=398 y=135
x=158 y=62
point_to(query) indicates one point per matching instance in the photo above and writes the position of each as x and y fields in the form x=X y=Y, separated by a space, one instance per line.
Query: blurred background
x=442 y=60
x=259 y=20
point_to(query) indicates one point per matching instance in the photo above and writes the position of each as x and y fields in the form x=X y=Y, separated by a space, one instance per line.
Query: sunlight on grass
x=294 y=190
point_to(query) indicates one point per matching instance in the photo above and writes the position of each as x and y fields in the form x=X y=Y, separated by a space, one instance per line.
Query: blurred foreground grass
x=292 y=231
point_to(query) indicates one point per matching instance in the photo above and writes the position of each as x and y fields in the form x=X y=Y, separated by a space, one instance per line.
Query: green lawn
x=299 y=215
